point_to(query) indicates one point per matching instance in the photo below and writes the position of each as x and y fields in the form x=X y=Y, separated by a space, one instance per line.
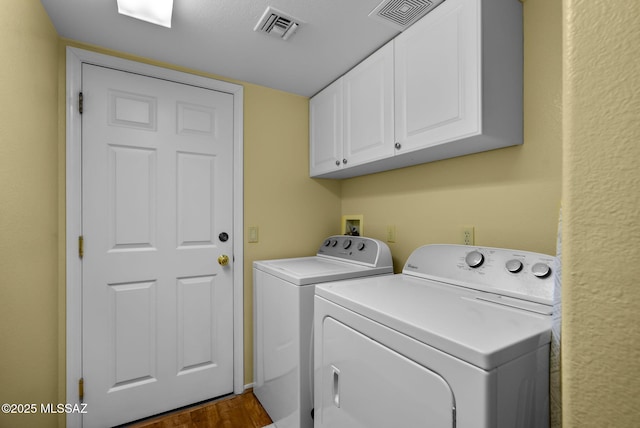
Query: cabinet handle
x=337 y=163
x=398 y=146
x=344 y=161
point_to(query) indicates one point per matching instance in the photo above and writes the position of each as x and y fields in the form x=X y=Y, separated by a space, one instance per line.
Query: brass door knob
x=223 y=260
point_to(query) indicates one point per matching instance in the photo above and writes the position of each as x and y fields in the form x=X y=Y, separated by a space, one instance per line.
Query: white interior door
x=157 y=307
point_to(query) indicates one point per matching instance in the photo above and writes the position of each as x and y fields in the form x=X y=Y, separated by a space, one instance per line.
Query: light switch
x=253 y=234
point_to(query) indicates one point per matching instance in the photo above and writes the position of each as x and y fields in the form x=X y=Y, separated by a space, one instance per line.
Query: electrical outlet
x=391 y=233
x=468 y=235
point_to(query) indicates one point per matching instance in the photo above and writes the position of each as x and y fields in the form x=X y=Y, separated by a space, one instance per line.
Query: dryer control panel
x=358 y=249
x=520 y=274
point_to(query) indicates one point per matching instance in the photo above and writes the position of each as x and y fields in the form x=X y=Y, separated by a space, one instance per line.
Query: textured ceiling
x=216 y=36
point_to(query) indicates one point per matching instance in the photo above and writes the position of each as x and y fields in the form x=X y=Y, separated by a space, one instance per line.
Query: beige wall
x=511 y=196
x=601 y=205
x=293 y=213
x=32 y=357
x=28 y=210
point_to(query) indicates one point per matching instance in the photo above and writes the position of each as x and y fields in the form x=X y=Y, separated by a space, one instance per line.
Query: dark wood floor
x=238 y=411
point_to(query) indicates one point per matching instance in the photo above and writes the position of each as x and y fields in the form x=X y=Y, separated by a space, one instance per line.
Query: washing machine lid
x=317 y=269
x=471 y=325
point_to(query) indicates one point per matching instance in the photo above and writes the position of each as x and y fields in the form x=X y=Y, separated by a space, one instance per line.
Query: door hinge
x=81 y=246
x=80 y=103
x=81 y=388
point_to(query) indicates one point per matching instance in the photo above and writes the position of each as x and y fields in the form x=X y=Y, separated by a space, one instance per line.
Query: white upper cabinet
x=325 y=130
x=457 y=89
x=368 y=109
x=438 y=77
x=352 y=119
x=459 y=81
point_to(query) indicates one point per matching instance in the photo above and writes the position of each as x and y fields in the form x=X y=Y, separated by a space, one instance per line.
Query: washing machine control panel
x=358 y=249
x=521 y=274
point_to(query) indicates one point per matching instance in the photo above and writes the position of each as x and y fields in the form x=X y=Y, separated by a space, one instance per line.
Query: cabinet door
x=325 y=130
x=438 y=79
x=368 y=109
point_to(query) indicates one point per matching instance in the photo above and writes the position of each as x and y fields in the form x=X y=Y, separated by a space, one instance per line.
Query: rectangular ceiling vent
x=402 y=13
x=277 y=24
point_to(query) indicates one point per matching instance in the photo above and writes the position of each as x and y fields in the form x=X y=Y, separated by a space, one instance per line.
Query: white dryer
x=459 y=339
x=283 y=320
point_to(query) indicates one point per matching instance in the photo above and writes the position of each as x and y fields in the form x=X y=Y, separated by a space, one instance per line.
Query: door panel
x=131 y=311
x=197 y=333
x=132 y=110
x=157 y=307
x=196 y=214
x=131 y=189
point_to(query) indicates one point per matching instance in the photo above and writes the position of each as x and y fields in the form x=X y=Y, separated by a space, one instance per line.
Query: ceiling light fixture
x=154 y=11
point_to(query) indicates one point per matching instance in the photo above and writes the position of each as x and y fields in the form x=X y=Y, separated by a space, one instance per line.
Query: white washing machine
x=459 y=339
x=283 y=320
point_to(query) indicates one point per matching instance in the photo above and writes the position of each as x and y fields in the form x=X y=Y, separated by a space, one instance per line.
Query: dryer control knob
x=334 y=242
x=361 y=246
x=514 y=266
x=327 y=242
x=541 y=270
x=474 y=259
x=346 y=244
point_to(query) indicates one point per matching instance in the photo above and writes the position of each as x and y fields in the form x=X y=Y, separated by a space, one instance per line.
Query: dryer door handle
x=336 y=385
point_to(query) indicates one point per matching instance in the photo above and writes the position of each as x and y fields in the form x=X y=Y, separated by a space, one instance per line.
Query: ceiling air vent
x=402 y=13
x=277 y=24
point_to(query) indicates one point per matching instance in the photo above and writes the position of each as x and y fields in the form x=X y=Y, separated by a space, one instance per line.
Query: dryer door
x=365 y=384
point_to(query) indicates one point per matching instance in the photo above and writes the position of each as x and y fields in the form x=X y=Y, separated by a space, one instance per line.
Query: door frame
x=75 y=57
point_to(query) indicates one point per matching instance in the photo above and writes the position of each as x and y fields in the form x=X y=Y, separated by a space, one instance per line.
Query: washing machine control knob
x=346 y=244
x=474 y=259
x=514 y=265
x=361 y=246
x=334 y=242
x=541 y=270
x=327 y=242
